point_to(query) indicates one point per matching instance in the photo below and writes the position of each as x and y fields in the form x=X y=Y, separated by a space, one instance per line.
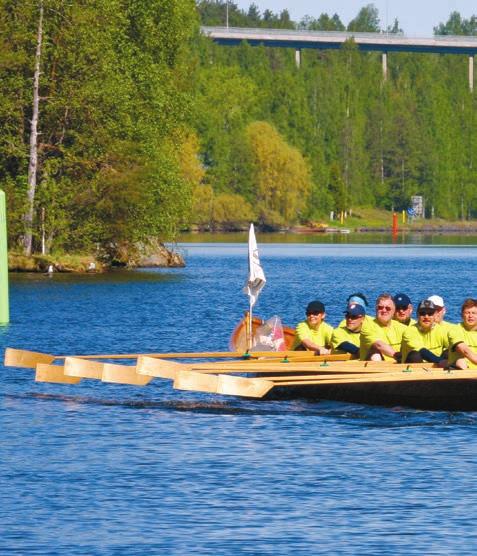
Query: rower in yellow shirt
x=404 y=309
x=359 y=299
x=346 y=336
x=381 y=338
x=441 y=312
x=426 y=340
x=314 y=334
x=463 y=338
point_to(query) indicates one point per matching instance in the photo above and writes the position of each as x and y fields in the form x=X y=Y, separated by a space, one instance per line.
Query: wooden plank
x=53 y=373
x=83 y=368
x=419 y=375
x=123 y=374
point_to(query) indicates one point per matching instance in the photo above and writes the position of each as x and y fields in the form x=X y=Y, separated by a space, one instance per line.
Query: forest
x=121 y=123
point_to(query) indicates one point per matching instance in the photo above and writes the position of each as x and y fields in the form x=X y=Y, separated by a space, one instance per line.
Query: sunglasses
x=353 y=317
x=313 y=313
x=426 y=313
x=401 y=307
x=384 y=308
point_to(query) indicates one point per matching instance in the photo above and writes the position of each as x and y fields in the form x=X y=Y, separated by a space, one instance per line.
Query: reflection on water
x=405 y=238
x=118 y=470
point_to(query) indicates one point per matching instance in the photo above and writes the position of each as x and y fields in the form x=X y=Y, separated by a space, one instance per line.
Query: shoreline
x=165 y=257
x=86 y=263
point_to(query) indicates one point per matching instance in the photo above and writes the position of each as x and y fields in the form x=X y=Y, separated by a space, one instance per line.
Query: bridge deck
x=381 y=42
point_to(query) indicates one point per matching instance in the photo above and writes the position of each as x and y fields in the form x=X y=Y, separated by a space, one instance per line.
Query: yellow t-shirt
x=414 y=339
x=448 y=326
x=373 y=331
x=320 y=336
x=343 y=334
x=460 y=334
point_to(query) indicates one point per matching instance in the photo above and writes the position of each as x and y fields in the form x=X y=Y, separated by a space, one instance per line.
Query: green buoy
x=4 y=303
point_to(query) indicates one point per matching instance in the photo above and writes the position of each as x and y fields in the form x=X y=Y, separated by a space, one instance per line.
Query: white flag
x=256 y=277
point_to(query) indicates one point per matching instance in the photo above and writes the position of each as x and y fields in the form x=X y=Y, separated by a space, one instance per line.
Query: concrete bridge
x=381 y=42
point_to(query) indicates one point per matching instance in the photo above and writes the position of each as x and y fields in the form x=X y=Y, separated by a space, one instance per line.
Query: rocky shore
x=158 y=257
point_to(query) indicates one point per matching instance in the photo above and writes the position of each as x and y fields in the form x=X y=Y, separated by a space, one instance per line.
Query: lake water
x=100 y=469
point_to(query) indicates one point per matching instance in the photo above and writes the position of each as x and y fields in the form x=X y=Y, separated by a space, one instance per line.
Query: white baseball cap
x=437 y=300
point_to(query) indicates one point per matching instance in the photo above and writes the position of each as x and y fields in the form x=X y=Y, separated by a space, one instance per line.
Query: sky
x=416 y=17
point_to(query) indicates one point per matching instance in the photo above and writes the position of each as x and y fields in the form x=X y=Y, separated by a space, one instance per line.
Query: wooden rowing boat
x=374 y=383
x=279 y=375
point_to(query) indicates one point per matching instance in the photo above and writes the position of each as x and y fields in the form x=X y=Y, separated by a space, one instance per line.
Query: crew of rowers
x=393 y=335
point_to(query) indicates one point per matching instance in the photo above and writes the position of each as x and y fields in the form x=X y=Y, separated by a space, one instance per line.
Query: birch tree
x=33 y=163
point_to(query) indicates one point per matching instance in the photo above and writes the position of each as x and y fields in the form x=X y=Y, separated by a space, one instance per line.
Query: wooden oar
x=419 y=375
x=83 y=368
x=24 y=358
x=169 y=369
x=258 y=387
x=107 y=372
x=29 y=359
x=222 y=384
x=122 y=374
x=53 y=373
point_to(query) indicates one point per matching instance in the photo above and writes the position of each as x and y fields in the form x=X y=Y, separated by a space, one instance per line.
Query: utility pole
x=227 y=14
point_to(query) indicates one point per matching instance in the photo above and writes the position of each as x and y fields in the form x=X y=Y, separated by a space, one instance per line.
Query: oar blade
x=122 y=374
x=244 y=387
x=26 y=359
x=83 y=368
x=159 y=368
x=198 y=382
x=222 y=384
x=53 y=373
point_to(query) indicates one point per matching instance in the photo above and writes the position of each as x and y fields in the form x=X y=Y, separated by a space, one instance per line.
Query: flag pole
x=249 y=327
x=255 y=282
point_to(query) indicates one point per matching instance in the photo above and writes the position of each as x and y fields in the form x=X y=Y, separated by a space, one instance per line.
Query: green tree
x=282 y=175
x=367 y=20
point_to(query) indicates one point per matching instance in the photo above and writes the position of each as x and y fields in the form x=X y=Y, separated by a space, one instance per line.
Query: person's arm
x=465 y=350
x=319 y=350
x=386 y=349
x=427 y=355
x=303 y=335
x=348 y=347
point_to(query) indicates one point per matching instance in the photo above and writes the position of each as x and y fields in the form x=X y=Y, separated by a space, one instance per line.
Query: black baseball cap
x=401 y=300
x=426 y=305
x=315 y=307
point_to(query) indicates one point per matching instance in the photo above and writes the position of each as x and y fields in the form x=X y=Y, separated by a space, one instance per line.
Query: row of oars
x=273 y=369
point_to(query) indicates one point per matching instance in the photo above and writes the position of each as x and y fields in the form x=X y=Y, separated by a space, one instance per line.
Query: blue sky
x=416 y=18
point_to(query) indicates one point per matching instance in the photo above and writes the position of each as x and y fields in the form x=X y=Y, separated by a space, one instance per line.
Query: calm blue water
x=117 y=470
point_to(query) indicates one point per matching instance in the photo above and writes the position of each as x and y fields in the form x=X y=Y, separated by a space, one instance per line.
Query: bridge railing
x=344 y=35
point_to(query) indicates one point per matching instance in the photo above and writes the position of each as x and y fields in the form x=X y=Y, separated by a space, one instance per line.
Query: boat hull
x=436 y=395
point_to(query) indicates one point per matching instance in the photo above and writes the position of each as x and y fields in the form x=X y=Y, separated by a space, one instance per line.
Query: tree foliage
x=147 y=127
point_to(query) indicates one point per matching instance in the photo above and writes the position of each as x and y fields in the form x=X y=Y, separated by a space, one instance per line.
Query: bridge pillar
x=298 y=57
x=384 y=58
x=471 y=74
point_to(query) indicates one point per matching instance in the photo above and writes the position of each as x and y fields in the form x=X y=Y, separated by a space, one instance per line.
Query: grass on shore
x=62 y=262
x=363 y=217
